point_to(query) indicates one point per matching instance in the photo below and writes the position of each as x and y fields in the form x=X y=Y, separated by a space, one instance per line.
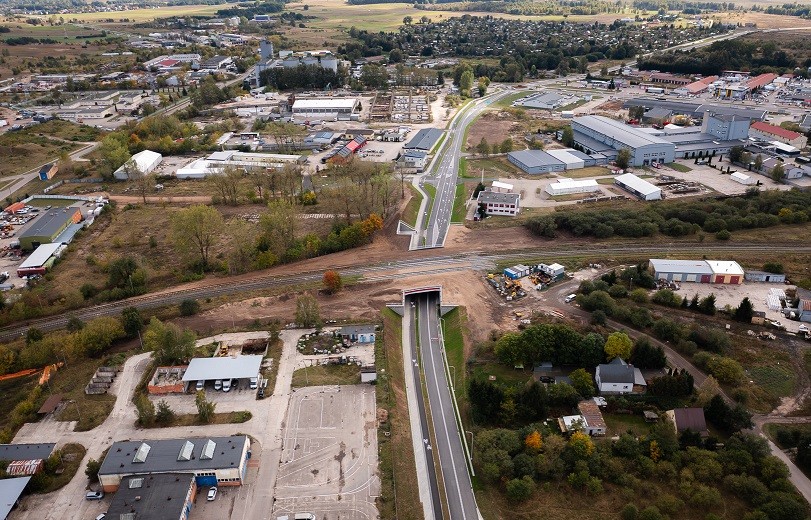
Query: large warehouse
x=701 y=271
x=644 y=147
x=48 y=226
x=330 y=108
x=424 y=140
x=214 y=461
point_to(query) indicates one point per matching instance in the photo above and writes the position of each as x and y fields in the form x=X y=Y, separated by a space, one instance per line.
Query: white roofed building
x=330 y=108
x=639 y=187
x=226 y=367
x=572 y=186
x=142 y=163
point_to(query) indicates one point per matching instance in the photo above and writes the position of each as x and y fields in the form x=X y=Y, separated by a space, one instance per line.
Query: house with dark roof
x=165 y=496
x=688 y=419
x=214 y=461
x=618 y=377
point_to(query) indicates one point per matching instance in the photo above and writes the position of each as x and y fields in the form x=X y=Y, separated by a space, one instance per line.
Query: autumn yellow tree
x=581 y=444
x=533 y=442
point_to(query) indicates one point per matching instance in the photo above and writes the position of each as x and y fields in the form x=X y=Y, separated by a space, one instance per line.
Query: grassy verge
x=275 y=353
x=438 y=144
x=459 y=208
x=508 y=100
x=679 y=167
x=578 y=103
x=412 y=207
x=430 y=189
x=399 y=490
x=452 y=324
x=326 y=375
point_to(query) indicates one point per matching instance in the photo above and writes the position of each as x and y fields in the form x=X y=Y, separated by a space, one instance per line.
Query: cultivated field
x=142 y=15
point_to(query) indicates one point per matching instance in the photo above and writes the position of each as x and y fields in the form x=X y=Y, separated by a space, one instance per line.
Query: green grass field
x=143 y=15
x=430 y=189
x=679 y=167
x=327 y=375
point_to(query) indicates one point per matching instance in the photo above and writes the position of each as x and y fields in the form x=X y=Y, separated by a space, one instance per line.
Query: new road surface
x=447 y=438
x=444 y=177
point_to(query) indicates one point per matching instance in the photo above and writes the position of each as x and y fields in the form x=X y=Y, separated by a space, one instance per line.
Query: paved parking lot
x=329 y=456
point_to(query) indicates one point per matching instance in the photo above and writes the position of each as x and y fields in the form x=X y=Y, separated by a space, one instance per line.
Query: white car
x=212 y=494
x=570 y=298
x=218 y=384
x=200 y=384
x=254 y=383
x=803 y=328
x=226 y=385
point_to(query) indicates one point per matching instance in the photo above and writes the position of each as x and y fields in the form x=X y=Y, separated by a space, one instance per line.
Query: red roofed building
x=760 y=81
x=776 y=133
x=697 y=87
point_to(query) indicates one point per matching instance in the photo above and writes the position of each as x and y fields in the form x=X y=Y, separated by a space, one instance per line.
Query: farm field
x=142 y=15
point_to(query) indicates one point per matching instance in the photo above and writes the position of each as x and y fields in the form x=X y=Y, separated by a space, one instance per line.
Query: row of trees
x=485 y=148
x=756 y=209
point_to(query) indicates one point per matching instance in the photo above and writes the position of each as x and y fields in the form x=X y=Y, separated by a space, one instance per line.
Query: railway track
x=388 y=271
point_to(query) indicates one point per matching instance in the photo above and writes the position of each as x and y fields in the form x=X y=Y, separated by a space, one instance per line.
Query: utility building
x=48 y=226
x=639 y=187
x=701 y=271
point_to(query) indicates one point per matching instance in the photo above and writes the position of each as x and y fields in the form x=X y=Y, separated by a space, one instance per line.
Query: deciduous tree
x=618 y=345
x=332 y=281
x=195 y=231
x=169 y=343
x=308 y=313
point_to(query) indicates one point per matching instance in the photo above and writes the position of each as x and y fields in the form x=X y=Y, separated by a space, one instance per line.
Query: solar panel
x=185 y=451
x=208 y=450
x=142 y=452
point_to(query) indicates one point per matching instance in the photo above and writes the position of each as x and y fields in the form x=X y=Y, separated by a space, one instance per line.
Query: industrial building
x=165 y=496
x=763 y=276
x=499 y=203
x=346 y=152
x=217 y=162
x=699 y=271
x=644 y=147
x=142 y=163
x=639 y=187
x=25 y=459
x=214 y=461
x=48 y=226
x=544 y=101
x=424 y=140
x=40 y=261
x=772 y=132
x=342 y=109
x=214 y=368
x=697 y=110
x=742 y=178
x=572 y=186
x=535 y=161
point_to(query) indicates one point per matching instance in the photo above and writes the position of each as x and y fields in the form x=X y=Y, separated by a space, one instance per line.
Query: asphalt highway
x=448 y=440
x=410 y=315
x=444 y=177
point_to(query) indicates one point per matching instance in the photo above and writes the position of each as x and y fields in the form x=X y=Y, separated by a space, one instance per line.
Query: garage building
x=40 y=260
x=571 y=186
x=214 y=368
x=701 y=271
x=535 y=162
x=166 y=496
x=214 y=461
x=639 y=187
x=48 y=226
x=763 y=276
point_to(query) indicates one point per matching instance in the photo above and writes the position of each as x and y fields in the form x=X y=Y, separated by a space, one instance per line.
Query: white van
x=254 y=383
x=226 y=385
x=200 y=384
x=218 y=384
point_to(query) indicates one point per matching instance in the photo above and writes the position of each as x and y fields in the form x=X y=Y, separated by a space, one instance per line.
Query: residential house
x=688 y=419
x=618 y=377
